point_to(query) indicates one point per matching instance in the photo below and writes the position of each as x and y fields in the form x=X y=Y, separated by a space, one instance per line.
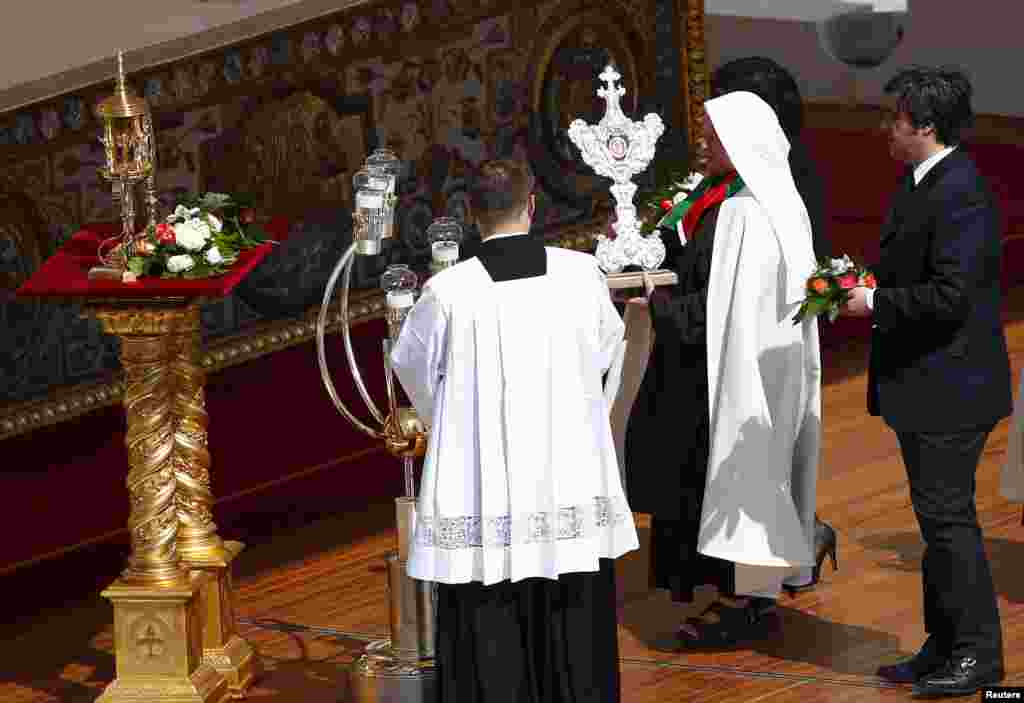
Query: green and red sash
x=708 y=193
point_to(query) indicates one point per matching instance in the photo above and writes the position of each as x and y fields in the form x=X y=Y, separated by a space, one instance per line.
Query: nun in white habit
x=756 y=515
x=764 y=372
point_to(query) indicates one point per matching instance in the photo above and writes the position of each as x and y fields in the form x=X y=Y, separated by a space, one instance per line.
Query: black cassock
x=536 y=640
x=667 y=437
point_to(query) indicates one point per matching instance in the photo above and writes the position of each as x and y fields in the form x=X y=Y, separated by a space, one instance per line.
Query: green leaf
x=137 y=265
x=815 y=306
x=255 y=233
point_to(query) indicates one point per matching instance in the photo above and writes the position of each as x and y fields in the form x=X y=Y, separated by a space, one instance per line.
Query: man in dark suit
x=939 y=372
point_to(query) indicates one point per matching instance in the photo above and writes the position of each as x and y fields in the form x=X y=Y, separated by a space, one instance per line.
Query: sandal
x=726 y=621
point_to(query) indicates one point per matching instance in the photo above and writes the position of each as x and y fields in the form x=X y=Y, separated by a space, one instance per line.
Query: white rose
x=213 y=256
x=179 y=263
x=679 y=197
x=182 y=213
x=838 y=266
x=190 y=237
x=214 y=223
x=201 y=225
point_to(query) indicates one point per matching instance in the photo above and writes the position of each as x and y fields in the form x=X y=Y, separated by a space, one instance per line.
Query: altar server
x=723 y=441
x=521 y=508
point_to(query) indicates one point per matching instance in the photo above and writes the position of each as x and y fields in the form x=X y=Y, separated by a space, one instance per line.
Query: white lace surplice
x=520 y=477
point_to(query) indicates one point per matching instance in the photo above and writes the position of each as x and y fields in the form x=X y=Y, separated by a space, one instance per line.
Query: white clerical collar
x=506 y=234
x=922 y=169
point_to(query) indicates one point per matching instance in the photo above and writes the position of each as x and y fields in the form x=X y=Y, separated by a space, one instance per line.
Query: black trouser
x=960 y=608
x=534 y=641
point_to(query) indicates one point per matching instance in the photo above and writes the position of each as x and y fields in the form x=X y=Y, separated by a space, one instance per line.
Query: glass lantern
x=384 y=163
x=371 y=211
x=399 y=284
x=445 y=236
x=130 y=157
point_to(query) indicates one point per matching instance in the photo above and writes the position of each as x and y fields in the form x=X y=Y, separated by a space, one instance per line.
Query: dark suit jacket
x=811 y=187
x=938 y=353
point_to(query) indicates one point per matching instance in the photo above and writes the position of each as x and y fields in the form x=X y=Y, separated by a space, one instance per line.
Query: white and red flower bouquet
x=828 y=288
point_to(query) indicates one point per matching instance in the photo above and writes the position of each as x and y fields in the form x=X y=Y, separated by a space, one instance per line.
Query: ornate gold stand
x=200 y=547
x=158 y=611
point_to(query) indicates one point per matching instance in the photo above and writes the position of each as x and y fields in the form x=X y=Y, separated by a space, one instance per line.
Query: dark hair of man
x=499 y=192
x=933 y=97
x=767 y=80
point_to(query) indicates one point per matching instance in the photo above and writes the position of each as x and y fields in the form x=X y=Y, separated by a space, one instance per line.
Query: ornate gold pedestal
x=175 y=637
x=158 y=645
x=158 y=613
x=199 y=545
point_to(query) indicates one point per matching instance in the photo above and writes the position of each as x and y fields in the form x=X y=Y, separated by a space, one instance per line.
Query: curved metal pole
x=346 y=279
x=321 y=326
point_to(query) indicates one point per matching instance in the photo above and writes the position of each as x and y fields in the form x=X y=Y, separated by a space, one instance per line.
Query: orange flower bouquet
x=828 y=288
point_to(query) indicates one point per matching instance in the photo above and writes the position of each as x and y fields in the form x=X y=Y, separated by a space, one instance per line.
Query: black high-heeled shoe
x=825 y=545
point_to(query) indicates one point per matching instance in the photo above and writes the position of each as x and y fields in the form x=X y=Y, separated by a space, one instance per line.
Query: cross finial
x=610 y=76
x=611 y=94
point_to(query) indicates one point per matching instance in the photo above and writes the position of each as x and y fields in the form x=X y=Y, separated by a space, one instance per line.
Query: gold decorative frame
x=693 y=69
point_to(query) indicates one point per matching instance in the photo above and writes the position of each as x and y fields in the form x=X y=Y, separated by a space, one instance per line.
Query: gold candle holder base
x=230 y=655
x=382 y=676
x=400 y=668
x=159 y=647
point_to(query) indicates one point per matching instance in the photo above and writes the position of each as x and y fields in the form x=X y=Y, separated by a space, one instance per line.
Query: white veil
x=749 y=130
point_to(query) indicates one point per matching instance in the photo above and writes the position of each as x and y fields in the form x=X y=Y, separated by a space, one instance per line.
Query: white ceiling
x=49 y=47
x=804 y=10
x=52 y=36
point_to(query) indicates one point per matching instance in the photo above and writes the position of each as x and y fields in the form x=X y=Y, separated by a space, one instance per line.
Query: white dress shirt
x=920 y=171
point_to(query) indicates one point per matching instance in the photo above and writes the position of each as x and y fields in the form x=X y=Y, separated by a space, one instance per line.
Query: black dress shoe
x=925 y=662
x=962 y=676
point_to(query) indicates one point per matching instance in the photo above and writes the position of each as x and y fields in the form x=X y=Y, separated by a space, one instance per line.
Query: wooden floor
x=825 y=648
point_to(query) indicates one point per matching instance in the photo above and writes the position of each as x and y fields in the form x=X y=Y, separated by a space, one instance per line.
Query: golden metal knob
x=405 y=435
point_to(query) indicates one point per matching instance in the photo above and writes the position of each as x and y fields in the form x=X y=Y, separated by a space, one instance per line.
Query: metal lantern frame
x=129 y=142
x=402 y=667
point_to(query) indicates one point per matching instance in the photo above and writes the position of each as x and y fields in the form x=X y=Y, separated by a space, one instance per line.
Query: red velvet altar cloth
x=66 y=273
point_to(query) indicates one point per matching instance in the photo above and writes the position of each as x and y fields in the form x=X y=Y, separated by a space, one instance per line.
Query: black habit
x=536 y=640
x=940 y=377
x=668 y=433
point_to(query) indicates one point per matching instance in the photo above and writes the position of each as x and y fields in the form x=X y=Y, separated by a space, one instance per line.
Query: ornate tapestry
x=288 y=118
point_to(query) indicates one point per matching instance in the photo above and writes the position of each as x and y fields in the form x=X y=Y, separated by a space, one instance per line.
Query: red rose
x=848 y=281
x=818 y=285
x=165 y=233
x=666 y=204
x=247 y=216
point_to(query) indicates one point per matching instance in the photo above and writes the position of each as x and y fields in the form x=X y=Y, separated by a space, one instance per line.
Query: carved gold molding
x=267 y=338
x=693 y=71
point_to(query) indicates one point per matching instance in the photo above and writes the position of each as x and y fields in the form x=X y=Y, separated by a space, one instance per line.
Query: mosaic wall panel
x=289 y=117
